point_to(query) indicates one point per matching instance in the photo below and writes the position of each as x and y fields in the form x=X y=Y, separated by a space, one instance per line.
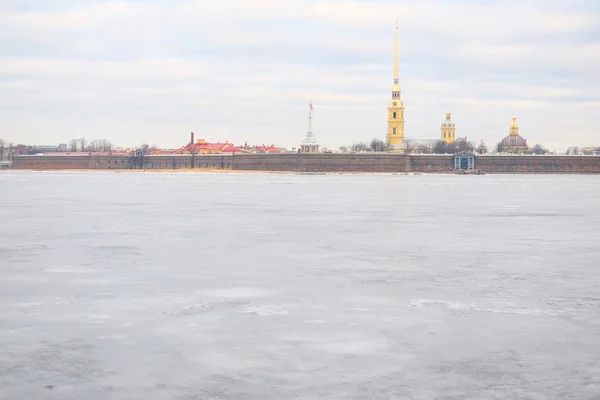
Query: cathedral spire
x=396 y=87
x=395 y=134
x=396 y=73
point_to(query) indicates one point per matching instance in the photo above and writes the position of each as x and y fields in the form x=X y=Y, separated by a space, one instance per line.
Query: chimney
x=192 y=138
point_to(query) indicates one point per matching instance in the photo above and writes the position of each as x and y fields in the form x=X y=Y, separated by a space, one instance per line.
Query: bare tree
x=101 y=145
x=137 y=157
x=193 y=151
x=482 y=148
x=11 y=151
x=422 y=149
x=440 y=147
x=573 y=150
x=499 y=147
x=538 y=149
x=378 y=145
x=409 y=146
x=73 y=144
x=106 y=145
x=360 y=147
x=464 y=145
x=83 y=144
x=2 y=144
x=343 y=149
x=94 y=146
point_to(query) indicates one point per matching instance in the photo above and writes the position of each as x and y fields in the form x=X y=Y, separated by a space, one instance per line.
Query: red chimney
x=192 y=138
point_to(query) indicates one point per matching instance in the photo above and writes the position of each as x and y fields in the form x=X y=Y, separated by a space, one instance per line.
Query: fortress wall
x=48 y=163
x=211 y=161
x=69 y=162
x=538 y=164
x=109 y=162
x=366 y=162
x=265 y=162
x=354 y=163
x=323 y=162
x=432 y=163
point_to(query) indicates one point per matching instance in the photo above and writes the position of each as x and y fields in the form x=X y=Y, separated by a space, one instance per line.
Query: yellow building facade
x=448 y=129
x=395 y=134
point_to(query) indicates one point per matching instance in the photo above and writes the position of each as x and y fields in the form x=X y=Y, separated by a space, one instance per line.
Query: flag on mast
x=310 y=109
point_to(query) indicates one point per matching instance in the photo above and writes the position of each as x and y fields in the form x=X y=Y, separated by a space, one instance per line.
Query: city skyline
x=134 y=73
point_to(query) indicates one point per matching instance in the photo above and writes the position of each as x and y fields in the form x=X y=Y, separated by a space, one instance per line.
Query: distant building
x=267 y=149
x=448 y=129
x=513 y=143
x=50 y=148
x=591 y=151
x=309 y=144
x=201 y=146
x=47 y=148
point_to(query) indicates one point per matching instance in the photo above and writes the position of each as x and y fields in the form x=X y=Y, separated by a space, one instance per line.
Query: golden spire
x=396 y=74
x=396 y=87
x=514 y=127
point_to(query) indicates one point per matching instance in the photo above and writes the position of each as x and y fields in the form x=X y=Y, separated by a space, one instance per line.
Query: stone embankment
x=319 y=163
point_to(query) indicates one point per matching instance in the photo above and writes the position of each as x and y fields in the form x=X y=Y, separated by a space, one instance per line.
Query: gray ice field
x=248 y=286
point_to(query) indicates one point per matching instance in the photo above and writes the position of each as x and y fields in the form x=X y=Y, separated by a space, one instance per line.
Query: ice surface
x=248 y=286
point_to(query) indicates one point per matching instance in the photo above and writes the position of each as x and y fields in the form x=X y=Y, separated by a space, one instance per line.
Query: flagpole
x=310 y=109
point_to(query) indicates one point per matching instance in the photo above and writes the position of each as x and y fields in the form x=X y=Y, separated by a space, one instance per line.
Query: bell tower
x=395 y=134
x=448 y=129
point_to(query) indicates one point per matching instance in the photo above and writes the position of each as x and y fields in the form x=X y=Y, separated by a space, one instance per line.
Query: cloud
x=244 y=70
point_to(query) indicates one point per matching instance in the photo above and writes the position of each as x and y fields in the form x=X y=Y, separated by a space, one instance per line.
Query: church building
x=513 y=143
x=395 y=134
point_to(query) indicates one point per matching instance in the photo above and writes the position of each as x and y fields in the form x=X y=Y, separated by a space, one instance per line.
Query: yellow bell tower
x=448 y=129
x=395 y=134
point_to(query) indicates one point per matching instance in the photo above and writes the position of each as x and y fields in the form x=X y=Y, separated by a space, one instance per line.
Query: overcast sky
x=244 y=70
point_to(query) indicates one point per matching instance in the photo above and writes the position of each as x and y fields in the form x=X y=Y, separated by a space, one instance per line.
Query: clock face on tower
x=394 y=104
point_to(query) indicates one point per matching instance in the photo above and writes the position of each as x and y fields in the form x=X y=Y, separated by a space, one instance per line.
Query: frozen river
x=247 y=286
